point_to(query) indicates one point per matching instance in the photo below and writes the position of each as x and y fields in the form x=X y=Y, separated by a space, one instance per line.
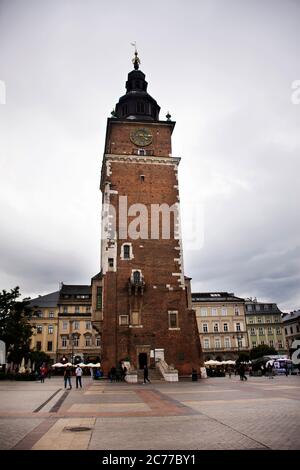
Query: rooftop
x=48 y=300
x=215 y=297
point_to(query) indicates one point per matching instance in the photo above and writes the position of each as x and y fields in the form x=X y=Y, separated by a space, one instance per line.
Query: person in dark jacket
x=146 y=373
x=67 y=377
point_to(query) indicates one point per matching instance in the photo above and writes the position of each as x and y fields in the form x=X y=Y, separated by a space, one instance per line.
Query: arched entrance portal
x=142 y=360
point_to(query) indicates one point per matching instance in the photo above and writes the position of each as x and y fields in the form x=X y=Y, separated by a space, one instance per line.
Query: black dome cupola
x=137 y=103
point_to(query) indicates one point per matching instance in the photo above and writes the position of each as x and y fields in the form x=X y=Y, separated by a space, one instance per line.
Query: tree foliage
x=262 y=350
x=243 y=357
x=15 y=329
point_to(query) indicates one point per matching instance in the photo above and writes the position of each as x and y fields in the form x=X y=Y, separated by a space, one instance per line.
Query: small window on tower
x=141 y=152
x=126 y=251
x=142 y=178
x=136 y=277
x=111 y=262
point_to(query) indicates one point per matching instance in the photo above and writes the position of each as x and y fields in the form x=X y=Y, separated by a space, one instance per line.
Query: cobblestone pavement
x=217 y=413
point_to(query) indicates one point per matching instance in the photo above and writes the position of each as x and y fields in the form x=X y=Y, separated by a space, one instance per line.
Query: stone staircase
x=154 y=375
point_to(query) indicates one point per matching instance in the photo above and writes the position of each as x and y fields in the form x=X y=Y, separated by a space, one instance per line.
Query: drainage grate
x=77 y=429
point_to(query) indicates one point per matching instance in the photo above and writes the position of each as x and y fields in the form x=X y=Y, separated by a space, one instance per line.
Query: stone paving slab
x=217 y=413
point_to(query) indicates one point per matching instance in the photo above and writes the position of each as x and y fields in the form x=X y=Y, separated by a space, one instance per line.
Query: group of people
x=118 y=374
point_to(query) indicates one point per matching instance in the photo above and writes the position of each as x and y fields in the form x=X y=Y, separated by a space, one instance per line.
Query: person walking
x=78 y=373
x=67 y=377
x=42 y=374
x=146 y=374
x=229 y=372
x=242 y=372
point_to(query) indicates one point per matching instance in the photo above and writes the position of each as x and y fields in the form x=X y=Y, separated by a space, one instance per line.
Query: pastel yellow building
x=221 y=324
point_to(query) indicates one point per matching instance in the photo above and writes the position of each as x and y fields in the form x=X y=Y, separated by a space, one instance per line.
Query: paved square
x=217 y=413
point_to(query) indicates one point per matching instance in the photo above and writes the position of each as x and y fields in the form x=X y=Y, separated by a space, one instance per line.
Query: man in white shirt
x=78 y=373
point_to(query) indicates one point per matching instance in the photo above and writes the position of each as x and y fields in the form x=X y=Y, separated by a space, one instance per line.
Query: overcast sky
x=224 y=70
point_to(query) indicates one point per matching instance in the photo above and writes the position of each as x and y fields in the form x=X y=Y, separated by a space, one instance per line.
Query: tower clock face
x=141 y=137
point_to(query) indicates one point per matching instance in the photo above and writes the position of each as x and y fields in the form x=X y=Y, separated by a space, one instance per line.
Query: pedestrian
x=78 y=373
x=270 y=371
x=42 y=374
x=67 y=377
x=146 y=373
x=286 y=370
x=242 y=372
x=92 y=373
x=229 y=372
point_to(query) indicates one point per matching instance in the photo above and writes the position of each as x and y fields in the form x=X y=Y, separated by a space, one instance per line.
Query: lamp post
x=72 y=339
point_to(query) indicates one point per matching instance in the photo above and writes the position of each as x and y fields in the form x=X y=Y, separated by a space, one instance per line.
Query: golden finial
x=136 y=61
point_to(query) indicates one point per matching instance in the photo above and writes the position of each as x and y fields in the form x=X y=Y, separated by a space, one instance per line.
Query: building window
x=87 y=309
x=51 y=314
x=224 y=311
x=291 y=330
x=39 y=314
x=76 y=325
x=240 y=343
x=260 y=331
x=252 y=331
x=206 y=343
x=205 y=328
x=88 y=341
x=64 y=342
x=203 y=312
x=251 y=320
x=110 y=262
x=258 y=319
x=123 y=319
x=99 y=298
x=65 y=309
x=253 y=344
x=136 y=277
x=49 y=346
x=88 y=325
x=262 y=342
x=39 y=329
x=214 y=312
x=65 y=325
x=237 y=327
x=266 y=307
x=280 y=344
x=257 y=308
x=50 y=329
x=271 y=343
x=270 y=330
x=126 y=251
x=38 y=345
x=278 y=330
x=249 y=308
x=236 y=311
x=297 y=328
x=77 y=309
x=98 y=341
x=173 y=319
x=142 y=177
x=75 y=341
x=268 y=320
x=217 y=343
x=227 y=342
x=216 y=327
x=225 y=327
x=82 y=296
x=286 y=331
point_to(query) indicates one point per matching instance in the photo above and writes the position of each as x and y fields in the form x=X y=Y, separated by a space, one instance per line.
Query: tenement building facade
x=264 y=325
x=144 y=306
x=62 y=326
x=221 y=324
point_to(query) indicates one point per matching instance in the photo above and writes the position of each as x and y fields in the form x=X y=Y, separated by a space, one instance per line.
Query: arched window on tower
x=136 y=277
x=126 y=253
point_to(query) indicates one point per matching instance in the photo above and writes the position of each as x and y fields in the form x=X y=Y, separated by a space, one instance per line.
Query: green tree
x=15 y=329
x=262 y=350
x=243 y=357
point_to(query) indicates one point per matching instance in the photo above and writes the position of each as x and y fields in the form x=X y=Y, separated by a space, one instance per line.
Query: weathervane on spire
x=136 y=61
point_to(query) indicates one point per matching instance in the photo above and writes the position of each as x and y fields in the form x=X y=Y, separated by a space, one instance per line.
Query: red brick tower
x=145 y=312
